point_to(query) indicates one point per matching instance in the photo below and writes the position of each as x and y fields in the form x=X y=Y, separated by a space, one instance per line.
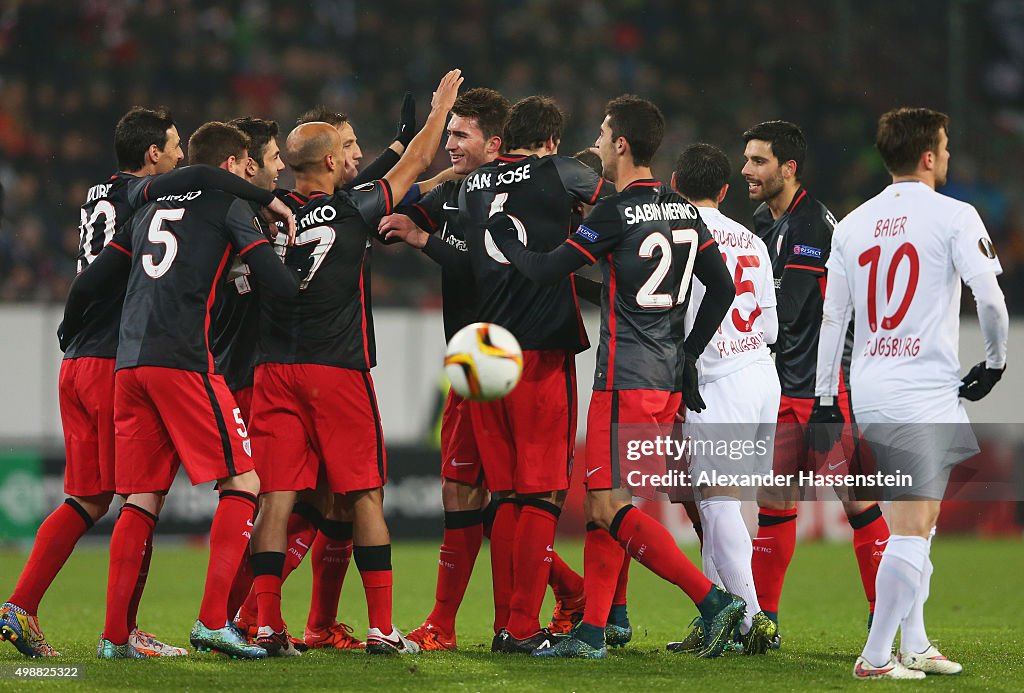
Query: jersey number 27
x=647 y=296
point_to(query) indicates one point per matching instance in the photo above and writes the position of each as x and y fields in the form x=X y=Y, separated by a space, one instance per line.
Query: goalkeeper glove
x=407 y=121
x=979 y=381
x=825 y=425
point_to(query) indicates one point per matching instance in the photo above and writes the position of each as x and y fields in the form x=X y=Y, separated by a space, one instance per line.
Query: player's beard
x=770 y=188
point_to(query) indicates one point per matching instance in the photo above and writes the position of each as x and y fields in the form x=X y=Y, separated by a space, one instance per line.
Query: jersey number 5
x=646 y=296
x=498 y=206
x=157 y=234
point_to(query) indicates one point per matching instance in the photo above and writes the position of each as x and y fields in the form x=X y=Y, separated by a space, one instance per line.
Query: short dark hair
x=701 y=171
x=322 y=114
x=640 y=122
x=904 y=134
x=136 y=131
x=787 y=141
x=591 y=159
x=260 y=133
x=214 y=142
x=487 y=106
x=531 y=122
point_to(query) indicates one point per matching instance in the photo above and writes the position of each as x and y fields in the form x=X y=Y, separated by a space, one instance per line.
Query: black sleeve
x=588 y=289
x=109 y=268
x=378 y=169
x=581 y=181
x=373 y=200
x=272 y=275
x=426 y=213
x=197 y=177
x=447 y=256
x=795 y=290
x=710 y=269
x=543 y=268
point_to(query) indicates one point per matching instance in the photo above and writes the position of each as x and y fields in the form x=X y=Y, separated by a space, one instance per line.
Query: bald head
x=309 y=144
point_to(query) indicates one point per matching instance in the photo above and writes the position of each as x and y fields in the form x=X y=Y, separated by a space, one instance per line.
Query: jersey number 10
x=871 y=258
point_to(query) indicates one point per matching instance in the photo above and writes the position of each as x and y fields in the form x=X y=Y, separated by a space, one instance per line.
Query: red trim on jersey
x=316 y=195
x=296 y=198
x=252 y=245
x=796 y=201
x=611 y=324
x=580 y=248
x=510 y=158
x=426 y=216
x=600 y=184
x=145 y=190
x=642 y=184
x=362 y=305
x=706 y=244
x=387 y=196
x=115 y=246
x=805 y=267
x=579 y=316
x=209 y=304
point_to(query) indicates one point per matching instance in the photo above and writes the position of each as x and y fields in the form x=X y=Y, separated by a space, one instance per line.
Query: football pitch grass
x=974 y=614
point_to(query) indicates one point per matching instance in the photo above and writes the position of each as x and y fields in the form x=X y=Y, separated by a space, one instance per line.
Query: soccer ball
x=483 y=362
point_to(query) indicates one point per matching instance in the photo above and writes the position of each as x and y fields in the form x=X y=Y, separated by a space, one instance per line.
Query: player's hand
x=825 y=425
x=979 y=381
x=279 y=211
x=691 y=391
x=447 y=91
x=63 y=338
x=407 y=121
x=402 y=227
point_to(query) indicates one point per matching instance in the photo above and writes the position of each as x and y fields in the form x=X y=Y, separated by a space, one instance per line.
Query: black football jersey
x=647 y=241
x=330 y=321
x=180 y=246
x=799 y=241
x=438 y=212
x=540 y=195
x=107 y=209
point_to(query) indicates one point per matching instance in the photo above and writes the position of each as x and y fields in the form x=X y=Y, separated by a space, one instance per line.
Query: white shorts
x=735 y=434
x=921 y=454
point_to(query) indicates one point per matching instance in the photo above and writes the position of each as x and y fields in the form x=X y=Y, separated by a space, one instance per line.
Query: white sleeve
x=834 y=320
x=995 y=320
x=770 y=321
x=973 y=252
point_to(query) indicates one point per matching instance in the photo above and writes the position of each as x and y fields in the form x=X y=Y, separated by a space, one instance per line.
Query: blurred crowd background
x=70 y=68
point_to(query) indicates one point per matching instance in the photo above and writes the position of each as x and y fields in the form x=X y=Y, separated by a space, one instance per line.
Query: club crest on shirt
x=986 y=248
x=807 y=251
x=587 y=233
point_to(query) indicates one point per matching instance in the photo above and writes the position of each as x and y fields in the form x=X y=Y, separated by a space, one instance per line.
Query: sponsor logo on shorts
x=807 y=251
x=833 y=467
x=591 y=472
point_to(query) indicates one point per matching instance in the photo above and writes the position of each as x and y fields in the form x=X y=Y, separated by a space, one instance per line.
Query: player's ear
x=250 y=167
x=672 y=182
x=493 y=145
x=789 y=169
x=927 y=161
x=722 y=192
x=329 y=163
x=153 y=154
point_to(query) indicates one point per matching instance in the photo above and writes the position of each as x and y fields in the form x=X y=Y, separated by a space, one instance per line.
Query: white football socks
x=913 y=637
x=897 y=585
x=731 y=550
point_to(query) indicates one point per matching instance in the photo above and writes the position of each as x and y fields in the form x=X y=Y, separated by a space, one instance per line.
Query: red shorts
x=460 y=460
x=306 y=416
x=526 y=439
x=166 y=417
x=616 y=418
x=87 y=413
x=791 y=454
x=243 y=398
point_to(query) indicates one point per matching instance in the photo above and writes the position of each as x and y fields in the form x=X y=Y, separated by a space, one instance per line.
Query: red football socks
x=241 y=590
x=565 y=582
x=229 y=540
x=773 y=550
x=330 y=556
x=55 y=541
x=463 y=535
x=647 y=541
x=140 y=586
x=621 y=586
x=374 y=564
x=503 y=539
x=301 y=533
x=870 y=535
x=127 y=550
x=602 y=564
x=535 y=536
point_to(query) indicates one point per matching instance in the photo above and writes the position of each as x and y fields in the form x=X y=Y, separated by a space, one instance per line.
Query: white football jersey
x=903 y=254
x=740 y=338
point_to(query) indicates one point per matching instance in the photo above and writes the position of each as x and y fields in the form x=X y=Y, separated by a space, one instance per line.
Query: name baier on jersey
x=107 y=208
x=740 y=339
x=329 y=322
x=540 y=195
x=903 y=254
x=647 y=241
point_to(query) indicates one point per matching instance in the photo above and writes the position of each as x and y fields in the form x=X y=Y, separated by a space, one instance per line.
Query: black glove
x=691 y=392
x=825 y=425
x=979 y=381
x=407 y=121
x=63 y=338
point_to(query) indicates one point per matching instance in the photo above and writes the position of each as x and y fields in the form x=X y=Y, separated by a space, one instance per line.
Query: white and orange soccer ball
x=483 y=362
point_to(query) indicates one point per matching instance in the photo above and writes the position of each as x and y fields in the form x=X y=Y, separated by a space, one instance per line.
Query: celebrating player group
x=223 y=324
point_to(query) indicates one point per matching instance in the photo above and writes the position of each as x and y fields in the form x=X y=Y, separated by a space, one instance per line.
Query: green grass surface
x=974 y=614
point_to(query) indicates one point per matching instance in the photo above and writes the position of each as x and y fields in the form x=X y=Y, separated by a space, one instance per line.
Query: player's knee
x=775 y=503
x=95 y=507
x=248 y=482
x=457 y=496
